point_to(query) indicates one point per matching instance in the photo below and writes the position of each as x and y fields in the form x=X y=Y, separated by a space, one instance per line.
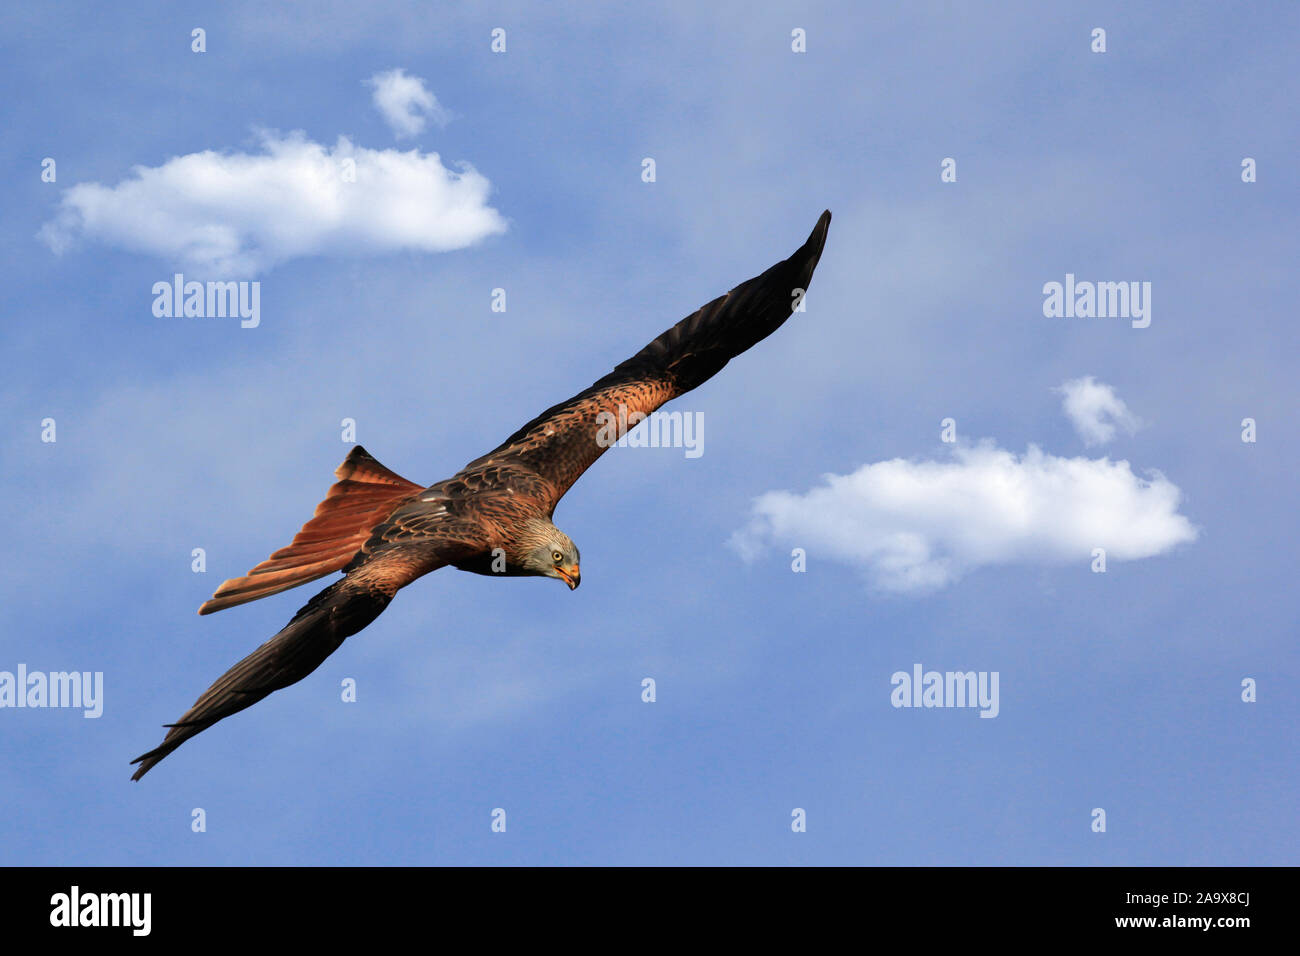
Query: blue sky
x=1119 y=690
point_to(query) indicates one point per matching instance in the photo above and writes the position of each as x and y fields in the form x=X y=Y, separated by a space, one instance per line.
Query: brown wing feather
x=364 y=495
x=563 y=442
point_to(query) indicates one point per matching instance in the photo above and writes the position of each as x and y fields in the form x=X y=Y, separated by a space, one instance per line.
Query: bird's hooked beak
x=571 y=576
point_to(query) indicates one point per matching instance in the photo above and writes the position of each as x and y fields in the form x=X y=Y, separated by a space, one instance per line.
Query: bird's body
x=492 y=517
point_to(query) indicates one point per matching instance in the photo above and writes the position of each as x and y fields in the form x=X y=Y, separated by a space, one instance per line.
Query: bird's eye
x=557 y=556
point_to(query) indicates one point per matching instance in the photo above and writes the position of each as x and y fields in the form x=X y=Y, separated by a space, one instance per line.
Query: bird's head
x=552 y=553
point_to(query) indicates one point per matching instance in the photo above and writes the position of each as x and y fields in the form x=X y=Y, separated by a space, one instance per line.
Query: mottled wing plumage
x=563 y=442
x=432 y=523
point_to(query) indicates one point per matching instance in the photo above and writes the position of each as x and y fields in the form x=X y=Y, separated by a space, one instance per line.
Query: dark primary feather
x=561 y=443
x=313 y=634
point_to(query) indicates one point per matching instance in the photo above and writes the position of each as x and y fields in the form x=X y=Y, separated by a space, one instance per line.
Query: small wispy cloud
x=1095 y=410
x=915 y=526
x=406 y=103
x=238 y=214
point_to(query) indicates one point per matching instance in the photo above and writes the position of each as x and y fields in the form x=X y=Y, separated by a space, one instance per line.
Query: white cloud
x=1095 y=410
x=916 y=526
x=237 y=214
x=406 y=103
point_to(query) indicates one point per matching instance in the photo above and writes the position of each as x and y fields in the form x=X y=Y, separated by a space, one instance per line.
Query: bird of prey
x=492 y=517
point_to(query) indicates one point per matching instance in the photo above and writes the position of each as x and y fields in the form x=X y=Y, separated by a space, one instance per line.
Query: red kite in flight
x=493 y=517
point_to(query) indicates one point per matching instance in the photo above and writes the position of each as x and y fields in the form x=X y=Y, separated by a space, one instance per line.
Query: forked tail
x=364 y=495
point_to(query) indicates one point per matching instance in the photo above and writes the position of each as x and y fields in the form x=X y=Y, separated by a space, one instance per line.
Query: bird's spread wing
x=383 y=531
x=316 y=632
x=563 y=442
x=366 y=492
